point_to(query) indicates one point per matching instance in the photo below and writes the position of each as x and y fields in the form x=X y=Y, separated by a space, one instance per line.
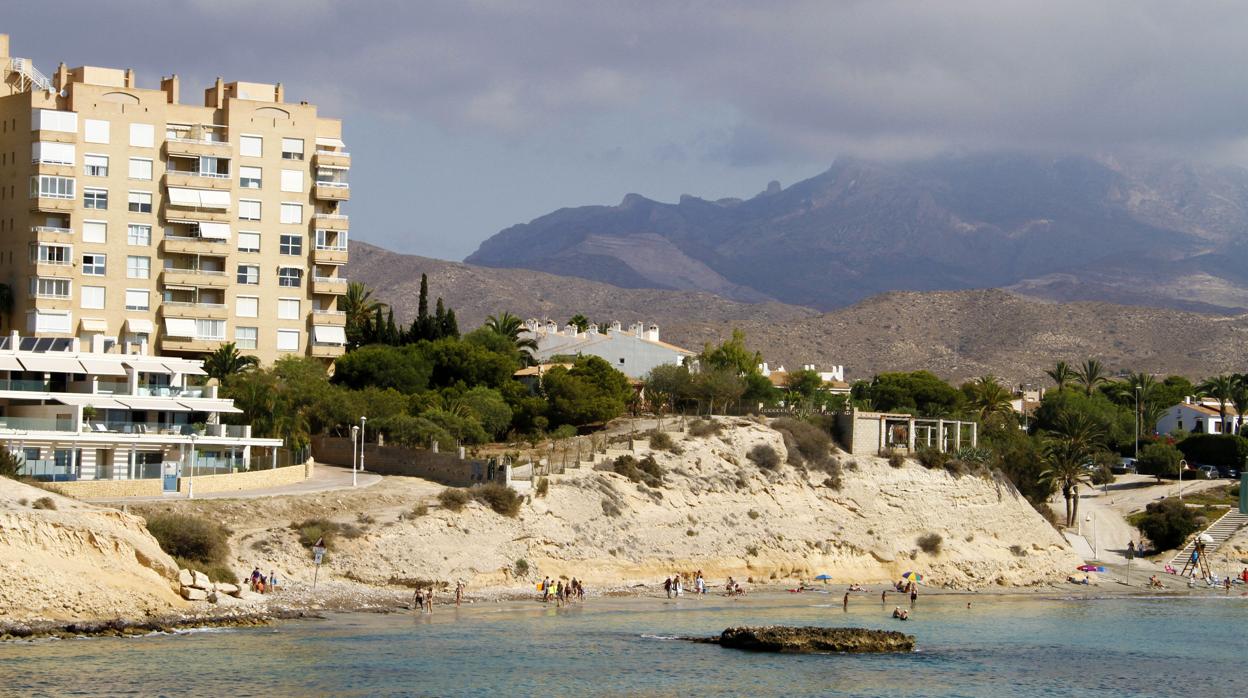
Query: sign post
x=318 y=552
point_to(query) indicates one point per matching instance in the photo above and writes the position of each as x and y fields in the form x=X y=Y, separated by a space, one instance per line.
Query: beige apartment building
x=129 y=217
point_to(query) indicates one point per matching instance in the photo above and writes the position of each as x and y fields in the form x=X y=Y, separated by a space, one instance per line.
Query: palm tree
x=511 y=327
x=1061 y=374
x=227 y=361
x=1090 y=374
x=989 y=397
x=1075 y=440
x=1220 y=388
x=359 y=306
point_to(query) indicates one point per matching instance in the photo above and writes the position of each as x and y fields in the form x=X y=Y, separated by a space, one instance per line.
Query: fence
x=444 y=468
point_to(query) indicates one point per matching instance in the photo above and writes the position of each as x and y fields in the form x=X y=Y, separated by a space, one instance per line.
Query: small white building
x=634 y=352
x=833 y=379
x=1199 y=416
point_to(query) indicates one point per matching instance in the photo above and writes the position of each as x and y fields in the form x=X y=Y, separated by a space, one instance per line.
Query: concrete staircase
x=1220 y=530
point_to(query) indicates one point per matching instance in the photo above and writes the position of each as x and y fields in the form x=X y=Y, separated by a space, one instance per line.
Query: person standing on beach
x=884 y=597
x=429 y=600
x=667 y=586
x=272 y=580
x=459 y=592
x=914 y=594
x=418 y=600
x=845 y=602
x=677 y=586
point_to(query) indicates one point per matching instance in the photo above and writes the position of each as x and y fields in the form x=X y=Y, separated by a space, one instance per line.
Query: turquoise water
x=1192 y=647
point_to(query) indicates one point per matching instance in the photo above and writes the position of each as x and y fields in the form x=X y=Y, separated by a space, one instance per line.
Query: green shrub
x=497 y=496
x=453 y=499
x=216 y=571
x=1160 y=459
x=646 y=470
x=661 y=441
x=1168 y=523
x=896 y=460
x=805 y=441
x=931 y=458
x=521 y=567
x=753 y=513
x=10 y=463
x=1215 y=449
x=543 y=487
x=190 y=537
x=418 y=511
x=563 y=431
x=705 y=427
x=930 y=543
x=1233 y=491
x=44 y=503
x=764 y=456
x=312 y=530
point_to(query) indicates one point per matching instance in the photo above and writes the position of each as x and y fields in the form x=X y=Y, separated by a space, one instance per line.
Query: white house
x=634 y=352
x=111 y=415
x=833 y=379
x=1199 y=416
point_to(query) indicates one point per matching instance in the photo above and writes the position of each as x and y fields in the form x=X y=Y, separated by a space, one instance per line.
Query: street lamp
x=1182 y=466
x=190 y=482
x=362 y=421
x=1095 y=553
x=355 y=437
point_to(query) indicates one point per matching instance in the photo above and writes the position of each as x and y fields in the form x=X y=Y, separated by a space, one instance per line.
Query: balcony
x=332 y=285
x=53 y=204
x=198 y=180
x=198 y=215
x=198 y=311
x=51 y=136
x=190 y=344
x=326 y=351
x=336 y=318
x=330 y=221
x=47 y=233
x=329 y=255
x=199 y=278
x=51 y=303
x=59 y=270
x=176 y=244
x=332 y=158
x=57 y=169
x=195 y=147
x=332 y=191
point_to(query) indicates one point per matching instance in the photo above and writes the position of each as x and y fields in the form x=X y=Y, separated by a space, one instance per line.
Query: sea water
x=1000 y=646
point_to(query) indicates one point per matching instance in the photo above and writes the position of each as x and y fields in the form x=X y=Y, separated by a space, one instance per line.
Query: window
x=287 y=308
x=249 y=177
x=248 y=242
x=53 y=153
x=292 y=214
x=95 y=131
x=95 y=165
x=245 y=337
x=210 y=329
x=250 y=146
x=51 y=120
x=331 y=239
x=93 y=297
x=140 y=168
x=137 y=299
x=52 y=187
x=51 y=254
x=248 y=274
x=292 y=148
x=292 y=180
x=142 y=135
x=94 y=231
x=137 y=234
x=53 y=323
x=140 y=202
x=247 y=306
x=248 y=210
x=93 y=264
x=288 y=340
x=95 y=198
x=138 y=267
x=290 y=277
x=291 y=245
x=49 y=288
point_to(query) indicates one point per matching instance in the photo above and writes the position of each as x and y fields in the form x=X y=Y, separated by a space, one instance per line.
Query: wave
x=648 y=636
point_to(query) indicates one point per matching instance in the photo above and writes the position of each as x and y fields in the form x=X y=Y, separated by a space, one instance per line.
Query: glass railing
x=169 y=391
x=30 y=386
x=35 y=424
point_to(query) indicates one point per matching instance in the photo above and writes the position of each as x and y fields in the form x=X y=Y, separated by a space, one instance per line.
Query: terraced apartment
x=137 y=223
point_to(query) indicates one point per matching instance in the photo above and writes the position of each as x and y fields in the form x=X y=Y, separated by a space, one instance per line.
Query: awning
x=94 y=325
x=189 y=366
x=139 y=326
x=50 y=364
x=154 y=404
x=96 y=401
x=331 y=142
x=102 y=367
x=214 y=199
x=331 y=167
x=214 y=231
x=329 y=334
x=178 y=287
x=183 y=197
x=9 y=362
x=146 y=364
x=209 y=405
x=179 y=327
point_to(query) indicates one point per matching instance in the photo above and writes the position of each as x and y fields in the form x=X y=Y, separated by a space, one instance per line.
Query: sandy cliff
x=77 y=561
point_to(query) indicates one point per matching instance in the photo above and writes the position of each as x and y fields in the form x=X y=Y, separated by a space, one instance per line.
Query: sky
x=466 y=116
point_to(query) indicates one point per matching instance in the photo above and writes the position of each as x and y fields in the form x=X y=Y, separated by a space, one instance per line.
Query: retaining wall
x=443 y=468
x=153 y=487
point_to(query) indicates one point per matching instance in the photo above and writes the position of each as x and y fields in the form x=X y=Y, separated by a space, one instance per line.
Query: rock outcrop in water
x=808 y=639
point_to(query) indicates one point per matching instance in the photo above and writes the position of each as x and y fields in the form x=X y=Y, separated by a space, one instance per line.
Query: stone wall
x=108 y=489
x=153 y=487
x=443 y=468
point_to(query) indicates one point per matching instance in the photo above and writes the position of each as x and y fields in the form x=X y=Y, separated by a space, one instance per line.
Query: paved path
x=324 y=478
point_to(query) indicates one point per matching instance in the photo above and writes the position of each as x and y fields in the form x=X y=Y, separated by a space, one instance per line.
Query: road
x=325 y=478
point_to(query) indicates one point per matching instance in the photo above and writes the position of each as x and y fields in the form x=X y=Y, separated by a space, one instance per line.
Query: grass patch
x=312 y=530
x=418 y=511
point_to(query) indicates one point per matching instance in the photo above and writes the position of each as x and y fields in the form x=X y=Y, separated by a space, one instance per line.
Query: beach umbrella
x=1206 y=538
x=824 y=577
x=912 y=577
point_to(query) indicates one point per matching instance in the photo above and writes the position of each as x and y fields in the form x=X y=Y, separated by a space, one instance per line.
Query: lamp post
x=1182 y=466
x=362 y=421
x=355 y=437
x=1095 y=553
x=190 y=482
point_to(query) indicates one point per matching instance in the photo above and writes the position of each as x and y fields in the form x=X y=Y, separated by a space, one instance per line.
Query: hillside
x=1166 y=234
x=958 y=334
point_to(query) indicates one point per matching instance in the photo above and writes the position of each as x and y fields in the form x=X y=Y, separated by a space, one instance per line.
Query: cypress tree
x=422 y=310
x=450 y=327
x=439 y=321
x=392 y=332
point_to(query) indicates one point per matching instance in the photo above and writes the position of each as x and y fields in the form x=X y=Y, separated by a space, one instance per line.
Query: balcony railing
x=194 y=304
x=168 y=391
x=198 y=173
x=330 y=216
x=336 y=185
x=329 y=313
x=30 y=386
x=340 y=153
x=51 y=229
x=207 y=272
x=331 y=248
x=329 y=279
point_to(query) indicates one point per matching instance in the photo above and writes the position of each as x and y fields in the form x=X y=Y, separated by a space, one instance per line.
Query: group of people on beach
x=562 y=592
x=422 y=599
x=674 y=586
x=262 y=584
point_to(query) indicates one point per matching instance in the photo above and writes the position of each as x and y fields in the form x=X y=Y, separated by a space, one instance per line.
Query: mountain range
x=1153 y=233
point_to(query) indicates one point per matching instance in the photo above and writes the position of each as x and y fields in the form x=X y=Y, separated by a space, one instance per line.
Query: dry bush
x=44 y=503
x=646 y=470
x=543 y=487
x=931 y=458
x=663 y=441
x=499 y=497
x=705 y=427
x=930 y=543
x=453 y=499
x=764 y=456
x=896 y=460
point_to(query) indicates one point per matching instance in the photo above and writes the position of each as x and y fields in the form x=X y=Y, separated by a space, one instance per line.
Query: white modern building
x=116 y=413
x=833 y=378
x=634 y=352
x=1199 y=416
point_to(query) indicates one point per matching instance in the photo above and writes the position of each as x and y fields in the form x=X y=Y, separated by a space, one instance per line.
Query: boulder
x=185 y=578
x=225 y=588
x=201 y=581
x=193 y=594
x=248 y=595
x=780 y=638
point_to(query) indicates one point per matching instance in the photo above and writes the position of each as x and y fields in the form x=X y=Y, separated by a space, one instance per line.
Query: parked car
x=1228 y=471
x=1124 y=466
x=1209 y=471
